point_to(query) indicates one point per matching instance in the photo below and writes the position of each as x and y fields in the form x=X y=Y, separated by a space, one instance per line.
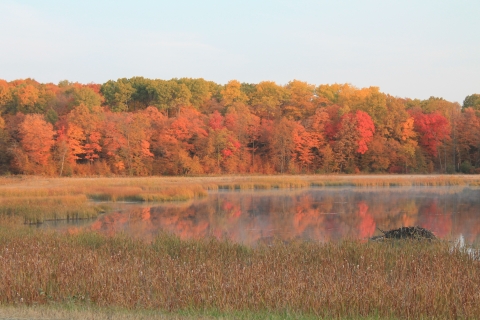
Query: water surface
x=316 y=214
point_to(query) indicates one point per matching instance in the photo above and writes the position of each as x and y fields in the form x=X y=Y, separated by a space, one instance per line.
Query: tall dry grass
x=39 y=209
x=37 y=199
x=348 y=279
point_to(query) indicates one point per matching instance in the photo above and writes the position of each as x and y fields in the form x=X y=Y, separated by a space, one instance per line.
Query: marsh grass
x=399 y=181
x=148 y=194
x=38 y=199
x=39 y=209
x=408 y=279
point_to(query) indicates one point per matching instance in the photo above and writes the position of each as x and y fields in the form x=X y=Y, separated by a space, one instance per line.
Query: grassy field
x=212 y=278
x=37 y=199
x=73 y=311
x=89 y=276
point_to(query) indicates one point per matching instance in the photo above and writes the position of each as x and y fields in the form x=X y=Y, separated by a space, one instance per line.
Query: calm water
x=323 y=214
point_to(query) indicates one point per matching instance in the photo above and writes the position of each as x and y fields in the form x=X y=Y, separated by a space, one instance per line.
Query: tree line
x=141 y=126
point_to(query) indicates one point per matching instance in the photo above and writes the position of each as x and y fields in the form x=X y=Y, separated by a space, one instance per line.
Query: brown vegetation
x=348 y=279
x=412 y=233
x=37 y=199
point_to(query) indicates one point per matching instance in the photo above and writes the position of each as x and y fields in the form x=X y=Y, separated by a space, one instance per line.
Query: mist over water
x=315 y=214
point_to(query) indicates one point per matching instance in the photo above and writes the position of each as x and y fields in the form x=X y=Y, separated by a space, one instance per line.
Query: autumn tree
x=282 y=144
x=439 y=106
x=86 y=96
x=25 y=98
x=316 y=126
x=201 y=90
x=232 y=93
x=126 y=142
x=409 y=141
x=5 y=142
x=90 y=122
x=432 y=128
x=141 y=126
x=304 y=142
x=331 y=92
x=246 y=128
x=5 y=95
x=267 y=99
x=300 y=103
x=375 y=105
x=36 y=143
x=221 y=141
x=354 y=133
x=182 y=144
x=468 y=137
x=69 y=145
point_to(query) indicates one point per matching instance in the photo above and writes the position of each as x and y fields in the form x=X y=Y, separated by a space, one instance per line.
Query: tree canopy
x=141 y=126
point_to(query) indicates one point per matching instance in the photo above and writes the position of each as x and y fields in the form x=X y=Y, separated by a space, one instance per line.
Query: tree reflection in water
x=328 y=214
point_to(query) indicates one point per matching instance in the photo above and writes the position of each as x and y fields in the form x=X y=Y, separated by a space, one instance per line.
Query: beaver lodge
x=417 y=233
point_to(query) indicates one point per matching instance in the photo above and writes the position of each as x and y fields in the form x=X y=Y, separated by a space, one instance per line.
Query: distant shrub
x=466 y=167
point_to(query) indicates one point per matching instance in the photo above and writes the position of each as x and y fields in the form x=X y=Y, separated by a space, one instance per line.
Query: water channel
x=314 y=214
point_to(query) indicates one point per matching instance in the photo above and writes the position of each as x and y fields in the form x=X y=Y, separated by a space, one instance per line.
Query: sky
x=413 y=49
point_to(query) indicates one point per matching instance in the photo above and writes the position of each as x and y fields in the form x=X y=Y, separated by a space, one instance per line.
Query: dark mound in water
x=417 y=233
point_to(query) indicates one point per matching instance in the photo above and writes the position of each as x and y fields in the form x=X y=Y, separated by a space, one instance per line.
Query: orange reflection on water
x=367 y=224
x=315 y=214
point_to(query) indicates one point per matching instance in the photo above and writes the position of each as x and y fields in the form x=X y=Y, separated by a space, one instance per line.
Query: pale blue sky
x=410 y=49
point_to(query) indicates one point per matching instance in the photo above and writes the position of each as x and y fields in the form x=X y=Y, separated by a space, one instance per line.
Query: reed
x=39 y=209
x=347 y=279
x=397 y=181
x=148 y=194
x=120 y=188
x=264 y=185
x=37 y=199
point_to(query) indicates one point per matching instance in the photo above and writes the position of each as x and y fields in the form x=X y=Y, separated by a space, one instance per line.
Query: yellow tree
x=232 y=94
x=5 y=95
x=25 y=97
x=267 y=99
x=301 y=100
x=409 y=141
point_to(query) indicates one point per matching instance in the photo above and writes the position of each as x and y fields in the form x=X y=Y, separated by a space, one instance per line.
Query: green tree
x=169 y=96
x=141 y=98
x=86 y=96
x=117 y=94
x=201 y=90
x=472 y=101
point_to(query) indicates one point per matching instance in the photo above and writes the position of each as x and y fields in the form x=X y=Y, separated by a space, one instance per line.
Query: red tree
x=432 y=128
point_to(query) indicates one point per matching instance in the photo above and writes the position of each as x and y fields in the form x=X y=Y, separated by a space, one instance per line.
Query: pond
x=314 y=214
